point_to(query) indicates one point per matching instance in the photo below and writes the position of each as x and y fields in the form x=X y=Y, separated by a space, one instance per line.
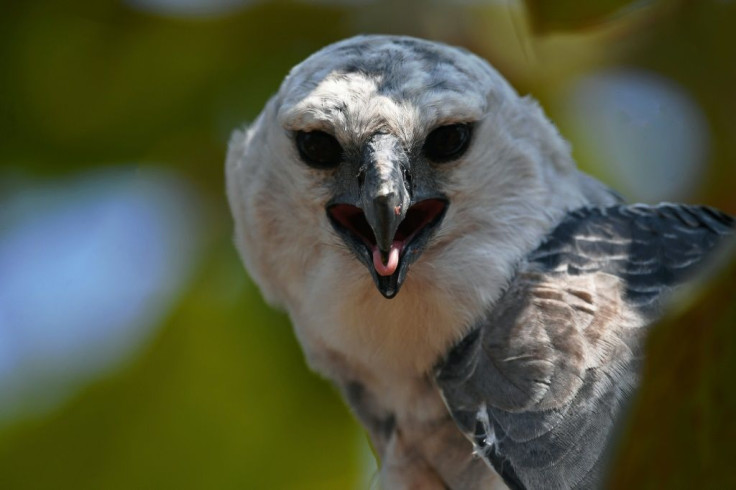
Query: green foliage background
x=221 y=397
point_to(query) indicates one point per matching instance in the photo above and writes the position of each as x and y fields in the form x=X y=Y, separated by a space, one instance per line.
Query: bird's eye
x=318 y=149
x=447 y=142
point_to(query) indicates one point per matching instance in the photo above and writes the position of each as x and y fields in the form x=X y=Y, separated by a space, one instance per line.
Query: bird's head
x=389 y=158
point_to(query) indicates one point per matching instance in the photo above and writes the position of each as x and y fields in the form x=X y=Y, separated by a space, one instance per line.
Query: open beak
x=384 y=227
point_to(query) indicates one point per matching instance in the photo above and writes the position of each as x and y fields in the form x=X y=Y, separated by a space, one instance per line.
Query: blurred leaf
x=86 y=82
x=571 y=15
x=221 y=400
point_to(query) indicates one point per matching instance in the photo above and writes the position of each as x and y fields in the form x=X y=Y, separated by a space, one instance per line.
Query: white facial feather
x=514 y=183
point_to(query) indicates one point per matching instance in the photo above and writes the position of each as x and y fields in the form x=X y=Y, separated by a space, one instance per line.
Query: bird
x=479 y=302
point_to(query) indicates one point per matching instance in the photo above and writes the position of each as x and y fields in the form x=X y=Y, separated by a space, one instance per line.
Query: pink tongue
x=393 y=260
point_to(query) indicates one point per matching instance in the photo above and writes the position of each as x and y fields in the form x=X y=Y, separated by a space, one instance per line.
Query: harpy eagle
x=480 y=303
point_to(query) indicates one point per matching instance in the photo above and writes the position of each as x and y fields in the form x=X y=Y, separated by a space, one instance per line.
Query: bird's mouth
x=388 y=267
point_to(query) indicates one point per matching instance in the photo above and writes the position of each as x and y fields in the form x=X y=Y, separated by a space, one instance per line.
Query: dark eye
x=318 y=149
x=447 y=142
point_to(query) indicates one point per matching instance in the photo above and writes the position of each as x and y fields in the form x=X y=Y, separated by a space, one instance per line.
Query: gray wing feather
x=538 y=383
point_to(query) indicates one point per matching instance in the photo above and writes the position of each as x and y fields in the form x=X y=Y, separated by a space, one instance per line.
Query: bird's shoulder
x=539 y=380
x=650 y=248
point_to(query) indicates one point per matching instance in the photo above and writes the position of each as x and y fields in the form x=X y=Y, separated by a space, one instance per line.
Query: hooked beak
x=384 y=227
x=384 y=200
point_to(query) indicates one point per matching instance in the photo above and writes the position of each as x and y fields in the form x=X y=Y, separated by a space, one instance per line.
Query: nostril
x=407 y=178
x=361 y=176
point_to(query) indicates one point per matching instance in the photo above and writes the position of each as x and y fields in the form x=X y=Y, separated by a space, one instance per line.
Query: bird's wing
x=538 y=382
